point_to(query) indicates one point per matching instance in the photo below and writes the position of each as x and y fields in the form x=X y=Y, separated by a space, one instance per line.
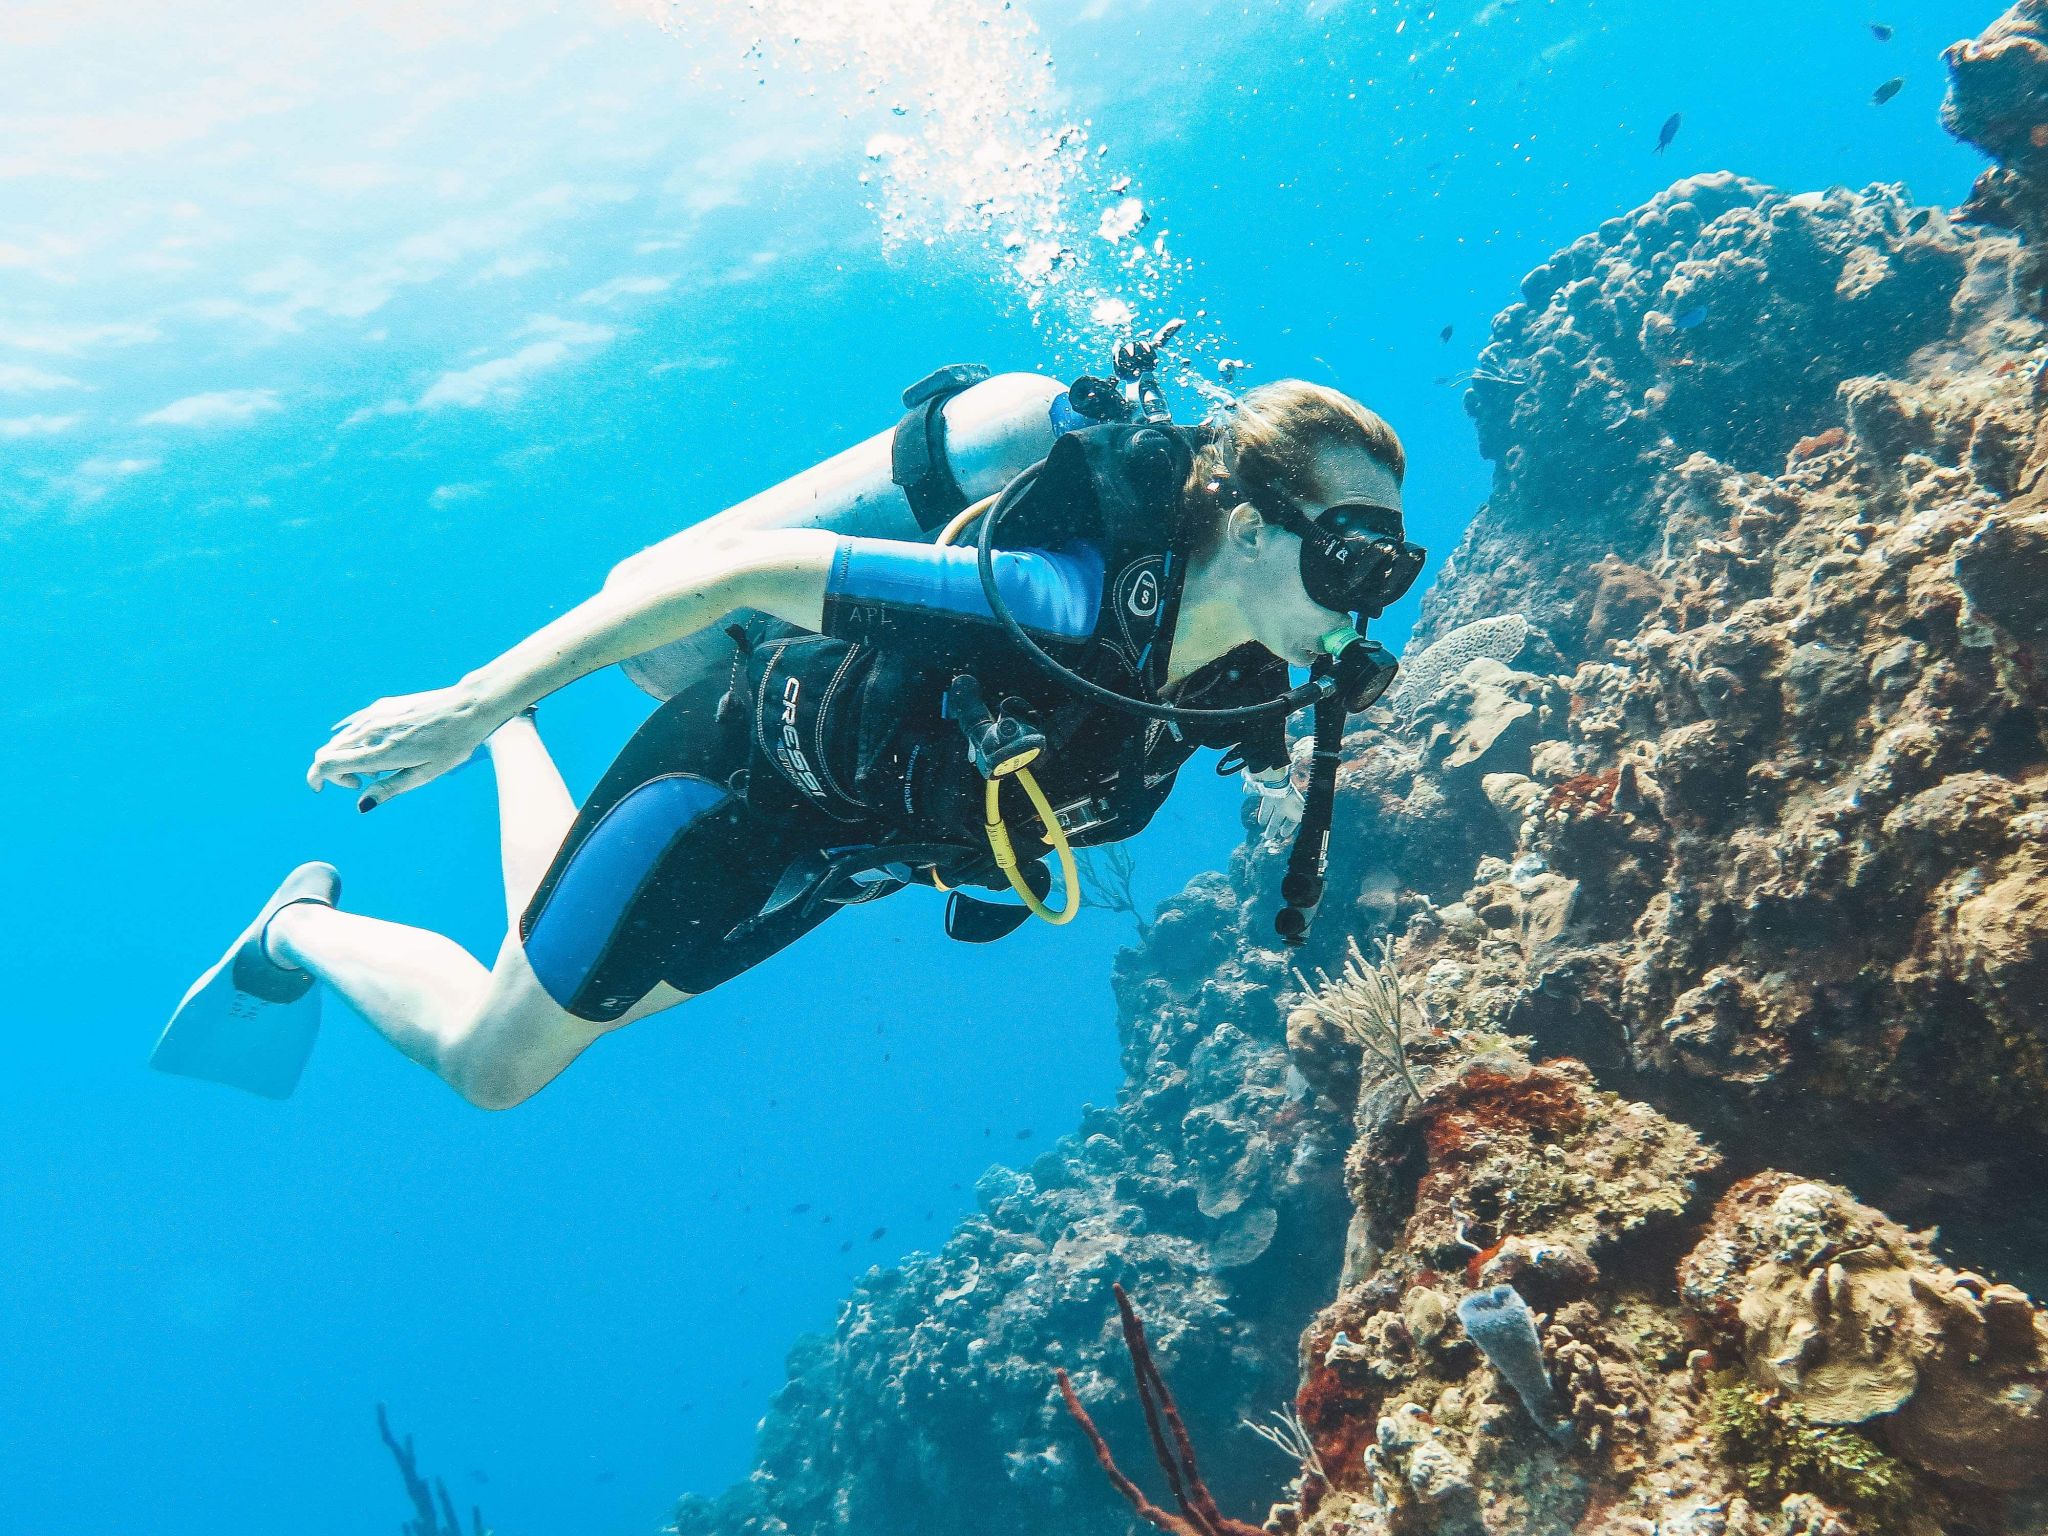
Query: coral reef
x=1713 y=864
x=1998 y=101
x=1212 y=1189
x=433 y=1512
x=1847 y=1318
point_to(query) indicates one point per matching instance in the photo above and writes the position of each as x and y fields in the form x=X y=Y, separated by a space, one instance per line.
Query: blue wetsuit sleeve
x=888 y=592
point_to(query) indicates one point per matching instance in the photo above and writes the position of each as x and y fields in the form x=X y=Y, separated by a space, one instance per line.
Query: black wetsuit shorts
x=666 y=871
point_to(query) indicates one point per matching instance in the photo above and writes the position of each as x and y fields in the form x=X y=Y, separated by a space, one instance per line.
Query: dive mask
x=1353 y=558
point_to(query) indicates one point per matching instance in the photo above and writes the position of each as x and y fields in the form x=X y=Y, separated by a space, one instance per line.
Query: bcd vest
x=850 y=724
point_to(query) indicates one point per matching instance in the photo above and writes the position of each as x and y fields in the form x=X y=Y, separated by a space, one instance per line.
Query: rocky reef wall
x=1708 y=837
x=1212 y=1191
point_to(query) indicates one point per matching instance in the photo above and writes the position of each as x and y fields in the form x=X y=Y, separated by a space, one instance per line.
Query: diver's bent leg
x=417 y=989
x=496 y=1037
x=535 y=809
x=521 y=1039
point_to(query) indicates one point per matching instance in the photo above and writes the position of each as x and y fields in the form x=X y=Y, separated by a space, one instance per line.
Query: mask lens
x=1359 y=573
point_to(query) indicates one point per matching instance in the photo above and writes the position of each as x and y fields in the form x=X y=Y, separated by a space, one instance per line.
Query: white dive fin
x=249 y=1022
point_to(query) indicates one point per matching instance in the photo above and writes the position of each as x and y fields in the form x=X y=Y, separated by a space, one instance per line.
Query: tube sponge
x=1500 y=1323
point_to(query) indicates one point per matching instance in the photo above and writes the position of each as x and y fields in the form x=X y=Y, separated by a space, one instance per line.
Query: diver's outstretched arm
x=400 y=743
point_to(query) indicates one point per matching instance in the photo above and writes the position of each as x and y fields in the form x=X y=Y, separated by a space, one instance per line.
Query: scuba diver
x=1023 y=587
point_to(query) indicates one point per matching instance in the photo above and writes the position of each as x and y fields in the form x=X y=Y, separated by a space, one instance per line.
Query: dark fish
x=1023 y=1135
x=1919 y=221
x=798 y=1210
x=1691 y=317
x=825 y=1220
x=1670 y=132
x=1888 y=90
x=1445 y=333
x=878 y=1234
x=847 y=1246
x=1880 y=31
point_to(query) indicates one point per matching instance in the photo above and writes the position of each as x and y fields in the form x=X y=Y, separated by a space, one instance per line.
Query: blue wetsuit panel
x=569 y=937
x=887 y=591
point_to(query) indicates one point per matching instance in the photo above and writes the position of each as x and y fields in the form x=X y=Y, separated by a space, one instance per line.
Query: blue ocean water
x=339 y=350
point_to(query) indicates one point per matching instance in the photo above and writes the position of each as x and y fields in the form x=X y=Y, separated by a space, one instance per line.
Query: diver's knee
x=491 y=1088
x=491 y=1078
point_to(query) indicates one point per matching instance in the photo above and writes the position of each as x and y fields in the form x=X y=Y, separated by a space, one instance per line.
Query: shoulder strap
x=917 y=457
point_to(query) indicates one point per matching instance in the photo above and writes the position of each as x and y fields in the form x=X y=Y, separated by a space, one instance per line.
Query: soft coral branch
x=1199 y=1515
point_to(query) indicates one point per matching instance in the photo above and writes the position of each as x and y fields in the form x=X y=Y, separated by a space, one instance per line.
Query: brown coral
x=1851 y=1318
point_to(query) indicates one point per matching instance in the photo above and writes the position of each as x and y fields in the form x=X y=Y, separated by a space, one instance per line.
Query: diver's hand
x=1282 y=797
x=1277 y=810
x=401 y=743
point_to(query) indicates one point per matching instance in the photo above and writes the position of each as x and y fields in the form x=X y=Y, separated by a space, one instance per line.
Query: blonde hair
x=1277 y=432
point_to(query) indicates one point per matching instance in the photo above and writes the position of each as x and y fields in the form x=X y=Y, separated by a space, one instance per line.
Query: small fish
x=1691 y=318
x=478 y=1477
x=1669 y=132
x=847 y=1246
x=1919 y=221
x=798 y=1210
x=1441 y=379
x=1880 y=31
x=1445 y=333
x=1023 y=1135
x=1888 y=90
x=878 y=1234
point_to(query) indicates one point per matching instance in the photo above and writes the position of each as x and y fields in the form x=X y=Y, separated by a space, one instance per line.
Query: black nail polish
x=366 y=804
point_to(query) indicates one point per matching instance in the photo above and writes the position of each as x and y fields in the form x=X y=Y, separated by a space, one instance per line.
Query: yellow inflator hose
x=998 y=830
x=1006 y=856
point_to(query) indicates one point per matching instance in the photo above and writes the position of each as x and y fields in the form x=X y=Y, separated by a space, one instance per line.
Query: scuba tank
x=964 y=435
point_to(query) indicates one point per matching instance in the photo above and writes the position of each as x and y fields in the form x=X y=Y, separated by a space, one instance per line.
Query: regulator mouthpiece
x=1361 y=670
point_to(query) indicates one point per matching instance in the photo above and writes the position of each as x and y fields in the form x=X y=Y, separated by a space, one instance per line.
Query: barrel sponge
x=1501 y=1324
